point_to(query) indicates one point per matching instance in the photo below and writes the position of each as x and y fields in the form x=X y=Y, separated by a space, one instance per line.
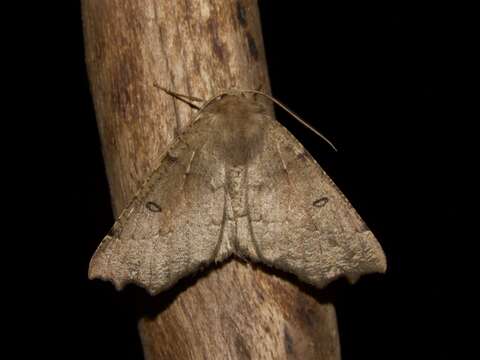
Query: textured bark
x=194 y=47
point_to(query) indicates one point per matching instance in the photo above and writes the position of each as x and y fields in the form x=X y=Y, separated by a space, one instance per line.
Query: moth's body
x=236 y=182
x=239 y=126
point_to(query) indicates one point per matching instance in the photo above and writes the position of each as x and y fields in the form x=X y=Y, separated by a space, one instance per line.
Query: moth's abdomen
x=241 y=239
x=236 y=179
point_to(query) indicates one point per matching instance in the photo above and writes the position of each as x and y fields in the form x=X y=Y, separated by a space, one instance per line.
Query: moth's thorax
x=239 y=127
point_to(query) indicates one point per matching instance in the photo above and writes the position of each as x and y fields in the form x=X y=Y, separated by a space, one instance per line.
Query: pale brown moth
x=236 y=182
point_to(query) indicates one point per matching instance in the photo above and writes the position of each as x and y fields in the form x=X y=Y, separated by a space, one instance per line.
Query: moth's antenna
x=298 y=118
x=181 y=97
x=184 y=98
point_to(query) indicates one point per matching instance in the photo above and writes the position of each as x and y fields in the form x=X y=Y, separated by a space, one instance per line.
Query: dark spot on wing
x=153 y=207
x=241 y=14
x=252 y=47
x=320 y=202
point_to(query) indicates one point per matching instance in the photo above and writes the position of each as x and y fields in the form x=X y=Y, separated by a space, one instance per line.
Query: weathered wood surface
x=195 y=47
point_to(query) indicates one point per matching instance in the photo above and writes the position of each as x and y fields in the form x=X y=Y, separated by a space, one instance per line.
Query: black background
x=375 y=79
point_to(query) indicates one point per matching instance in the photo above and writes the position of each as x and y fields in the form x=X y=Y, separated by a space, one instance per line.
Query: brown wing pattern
x=174 y=224
x=300 y=220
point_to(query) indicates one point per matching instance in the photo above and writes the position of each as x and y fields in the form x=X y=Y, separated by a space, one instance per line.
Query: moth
x=236 y=182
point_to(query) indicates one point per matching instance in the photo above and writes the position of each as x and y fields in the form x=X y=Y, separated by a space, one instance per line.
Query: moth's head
x=234 y=103
x=238 y=126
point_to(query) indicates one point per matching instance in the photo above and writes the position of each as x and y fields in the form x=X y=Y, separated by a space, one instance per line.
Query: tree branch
x=197 y=48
